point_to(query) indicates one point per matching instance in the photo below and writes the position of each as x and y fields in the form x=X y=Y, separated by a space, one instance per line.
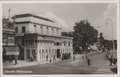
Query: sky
x=67 y=14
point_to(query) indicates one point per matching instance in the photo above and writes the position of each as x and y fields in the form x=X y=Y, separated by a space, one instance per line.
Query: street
x=99 y=65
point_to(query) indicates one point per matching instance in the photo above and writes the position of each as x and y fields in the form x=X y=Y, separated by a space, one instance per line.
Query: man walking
x=88 y=62
x=16 y=58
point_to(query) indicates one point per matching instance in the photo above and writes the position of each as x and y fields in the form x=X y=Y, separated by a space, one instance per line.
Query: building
x=8 y=32
x=40 y=38
x=8 y=35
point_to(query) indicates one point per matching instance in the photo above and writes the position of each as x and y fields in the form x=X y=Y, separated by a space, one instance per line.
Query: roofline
x=49 y=35
x=28 y=14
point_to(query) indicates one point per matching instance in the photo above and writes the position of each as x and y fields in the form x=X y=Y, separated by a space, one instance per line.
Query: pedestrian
x=115 y=61
x=16 y=58
x=50 y=60
x=82 y=57
x=111 y=60
x=46 y=57
x=88 y=62
x=53 y=57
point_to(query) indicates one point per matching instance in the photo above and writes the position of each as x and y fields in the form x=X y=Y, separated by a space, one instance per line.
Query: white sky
x=69 y=13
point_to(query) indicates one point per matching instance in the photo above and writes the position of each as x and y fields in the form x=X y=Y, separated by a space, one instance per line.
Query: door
x=34 y=54
x=28 y=53
x=58 y=53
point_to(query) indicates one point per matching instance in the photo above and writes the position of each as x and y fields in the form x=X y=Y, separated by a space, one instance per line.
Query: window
x=28 y=53
x=64 y=44
x=16 y=29
x=57 y=31
x=53 y=31
x=41 y=29
x=34 y=25
x=23 y=29
x=35 y=42
x=69 y=43
x=47 y=30
x=43 y=53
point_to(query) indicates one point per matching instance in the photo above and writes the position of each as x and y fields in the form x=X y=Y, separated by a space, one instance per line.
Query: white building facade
x=41 y=38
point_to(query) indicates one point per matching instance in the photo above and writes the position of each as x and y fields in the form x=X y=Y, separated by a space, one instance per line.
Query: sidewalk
x=23 y=63
x=78 y=60
x=105 y=70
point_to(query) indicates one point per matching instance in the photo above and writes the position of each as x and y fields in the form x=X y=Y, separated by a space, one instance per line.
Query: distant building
x=40 y=38
x=101 y=41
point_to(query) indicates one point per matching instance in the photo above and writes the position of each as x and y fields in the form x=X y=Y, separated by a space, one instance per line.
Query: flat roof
x=32 y=15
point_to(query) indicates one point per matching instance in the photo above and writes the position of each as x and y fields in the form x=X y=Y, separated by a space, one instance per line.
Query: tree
x=64 y=34
x=70 y=34
x=7 y=24
x=84 y=35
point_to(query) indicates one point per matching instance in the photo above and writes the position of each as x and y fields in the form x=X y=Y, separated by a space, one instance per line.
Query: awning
x=12 y=50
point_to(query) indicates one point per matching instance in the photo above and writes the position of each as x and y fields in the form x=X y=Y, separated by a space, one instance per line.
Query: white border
x=86 y=1
x=63 y=75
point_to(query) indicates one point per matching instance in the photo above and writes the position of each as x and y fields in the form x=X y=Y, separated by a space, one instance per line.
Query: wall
x=32 y=29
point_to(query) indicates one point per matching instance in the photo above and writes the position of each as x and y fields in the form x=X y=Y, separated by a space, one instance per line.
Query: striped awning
x=12 y=50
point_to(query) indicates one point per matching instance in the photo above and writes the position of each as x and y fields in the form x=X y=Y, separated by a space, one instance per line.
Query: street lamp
x=112 y=29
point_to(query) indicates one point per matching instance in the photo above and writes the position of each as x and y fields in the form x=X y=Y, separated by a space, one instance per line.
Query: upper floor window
x=47 y=30
x=41 y=29
x=57 y=43
x=34 y=25
x=57 y=31
x=64 y=43
x=69 y=43
x=23 y=29
x=16 y=29
x=52 y=31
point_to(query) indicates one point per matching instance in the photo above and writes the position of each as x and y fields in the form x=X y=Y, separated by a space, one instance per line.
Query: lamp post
x=112 y=30
x=9 y=14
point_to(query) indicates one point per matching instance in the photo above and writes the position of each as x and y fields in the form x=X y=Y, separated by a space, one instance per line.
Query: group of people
x=65 y=56
x=31 y=58
x=111 y=57
x=51 y=59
